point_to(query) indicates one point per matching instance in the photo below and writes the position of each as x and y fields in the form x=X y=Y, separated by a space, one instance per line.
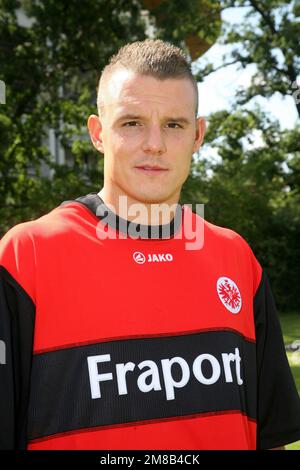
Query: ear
x=200 y=132
x=95 y=130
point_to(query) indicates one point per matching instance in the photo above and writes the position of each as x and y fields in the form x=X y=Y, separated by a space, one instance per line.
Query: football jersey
x=116 y=337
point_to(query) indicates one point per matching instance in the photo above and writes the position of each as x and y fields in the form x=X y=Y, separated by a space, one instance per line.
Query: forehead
x=124 y=88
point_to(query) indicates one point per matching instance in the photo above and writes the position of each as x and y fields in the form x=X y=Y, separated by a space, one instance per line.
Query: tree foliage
x=51 y=67
x=268 y=38
x=250 y=178
x=251 y=188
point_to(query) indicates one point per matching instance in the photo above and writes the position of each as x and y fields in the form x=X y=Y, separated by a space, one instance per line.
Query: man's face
x=146 y=123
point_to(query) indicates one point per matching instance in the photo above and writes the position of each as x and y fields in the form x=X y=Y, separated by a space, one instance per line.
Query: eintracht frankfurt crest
x=229 y=294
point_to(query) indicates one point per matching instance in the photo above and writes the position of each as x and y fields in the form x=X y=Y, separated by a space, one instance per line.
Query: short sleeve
x=278 y=413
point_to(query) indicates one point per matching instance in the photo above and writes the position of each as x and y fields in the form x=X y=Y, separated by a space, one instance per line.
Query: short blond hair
x=152 y=57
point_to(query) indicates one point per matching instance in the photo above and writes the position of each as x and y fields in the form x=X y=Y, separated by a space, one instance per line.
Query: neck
x=140 y=212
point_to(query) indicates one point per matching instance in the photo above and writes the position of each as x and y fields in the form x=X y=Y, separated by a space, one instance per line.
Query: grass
x=290 y=324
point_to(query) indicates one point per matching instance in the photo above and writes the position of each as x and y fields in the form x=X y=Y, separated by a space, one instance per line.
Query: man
x=119 y=331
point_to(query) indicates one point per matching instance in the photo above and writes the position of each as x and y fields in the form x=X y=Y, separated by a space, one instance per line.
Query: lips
x=151 y=168
x=151 y=171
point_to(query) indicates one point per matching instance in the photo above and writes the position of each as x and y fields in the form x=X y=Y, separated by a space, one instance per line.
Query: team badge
x=229 y=294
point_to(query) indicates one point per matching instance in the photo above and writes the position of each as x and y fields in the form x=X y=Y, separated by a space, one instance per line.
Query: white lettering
x=238 y=366
x=112 y=460
x=227 y=358
x=197 y=369
x=151 y=372
x=160 y=257
x=149 y=378
x=95 y=377
x=122 y=369
x=168 y=378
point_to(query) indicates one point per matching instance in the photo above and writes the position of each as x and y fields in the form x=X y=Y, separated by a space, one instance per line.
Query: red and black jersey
x=136 y=342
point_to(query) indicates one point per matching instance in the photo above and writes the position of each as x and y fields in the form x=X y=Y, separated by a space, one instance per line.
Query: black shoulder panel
x=278 y=400
x=17 y=313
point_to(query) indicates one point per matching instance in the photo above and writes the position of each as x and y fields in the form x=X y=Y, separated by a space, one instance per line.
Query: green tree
x=253 y=185
x=268 y=38
x=51 y=68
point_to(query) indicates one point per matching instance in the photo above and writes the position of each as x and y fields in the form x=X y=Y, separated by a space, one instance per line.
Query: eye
x=130 y=124
x=174 y=125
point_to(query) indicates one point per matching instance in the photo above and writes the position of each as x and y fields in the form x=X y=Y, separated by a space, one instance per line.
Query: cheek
x=181 y=142
x=182 y=164
x=119 y=156
x=181 y=150
x=121 y=144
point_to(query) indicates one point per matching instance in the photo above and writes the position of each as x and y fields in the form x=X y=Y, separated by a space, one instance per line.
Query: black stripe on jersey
x=136 y=380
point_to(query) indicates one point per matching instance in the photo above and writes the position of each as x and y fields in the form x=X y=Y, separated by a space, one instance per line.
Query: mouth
x=153 y=170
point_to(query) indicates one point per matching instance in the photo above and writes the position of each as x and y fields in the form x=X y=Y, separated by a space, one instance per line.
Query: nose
x=154 y=141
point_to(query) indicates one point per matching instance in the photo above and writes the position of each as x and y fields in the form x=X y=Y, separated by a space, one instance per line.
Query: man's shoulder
x=224 y=234
x=227 y=244
x=58 y=221
x=219 y=234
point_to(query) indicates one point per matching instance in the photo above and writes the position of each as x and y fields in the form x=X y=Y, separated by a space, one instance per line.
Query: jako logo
x=140 y=258
x=229 y=294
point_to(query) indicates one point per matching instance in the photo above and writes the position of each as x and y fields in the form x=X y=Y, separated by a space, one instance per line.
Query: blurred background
x=246 y=58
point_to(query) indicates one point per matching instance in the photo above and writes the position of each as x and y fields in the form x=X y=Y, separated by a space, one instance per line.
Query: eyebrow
x=182 y=120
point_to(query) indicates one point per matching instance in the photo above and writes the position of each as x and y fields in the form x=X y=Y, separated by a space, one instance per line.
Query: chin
x=152 y=198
